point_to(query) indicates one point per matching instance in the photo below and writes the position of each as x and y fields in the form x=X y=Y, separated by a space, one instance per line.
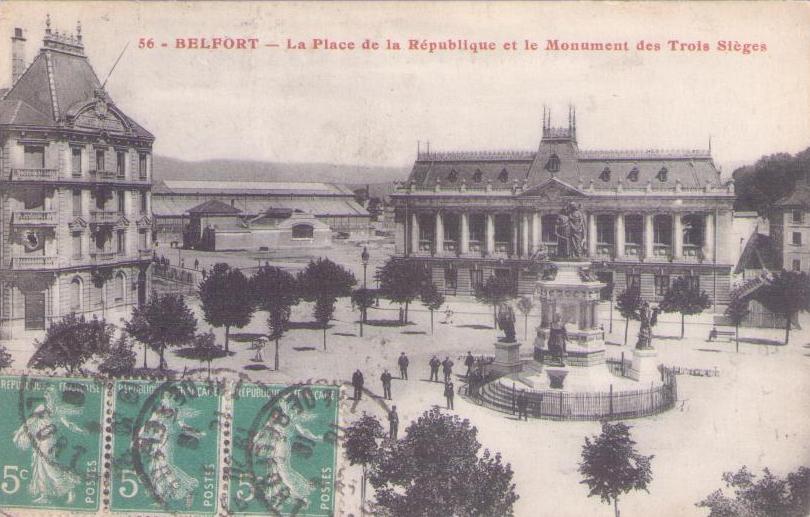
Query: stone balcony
x=105 y=175
x=103 y=257
x=33 y=174
x=145 y=254
x=104 y=216
x=33 y=262
x=34 y=218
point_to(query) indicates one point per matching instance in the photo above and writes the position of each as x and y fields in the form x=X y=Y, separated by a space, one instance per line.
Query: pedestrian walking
x=448 y=316
x=386 y=382
x=449 y=393
x=434 y=368
x=469 y=362
x=204 y=273
x=393 y=423
x=447 y=368
x=196 y=264
x=522 y=405
x=357 y=382
x=403 y=366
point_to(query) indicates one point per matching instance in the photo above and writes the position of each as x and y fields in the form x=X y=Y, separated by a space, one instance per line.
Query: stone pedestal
x=645 y=365
x=556 y=378
x=507 y=358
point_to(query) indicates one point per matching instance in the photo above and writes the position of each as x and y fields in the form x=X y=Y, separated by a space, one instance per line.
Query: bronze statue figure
x=645 y=332
x=557 y=337
x=506 y=322
x=570 y=232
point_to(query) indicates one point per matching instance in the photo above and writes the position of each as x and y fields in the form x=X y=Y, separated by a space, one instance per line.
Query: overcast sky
x=370 y=108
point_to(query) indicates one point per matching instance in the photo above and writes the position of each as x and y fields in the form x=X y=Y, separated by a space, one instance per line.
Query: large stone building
x=75 y=178
x=651 y=215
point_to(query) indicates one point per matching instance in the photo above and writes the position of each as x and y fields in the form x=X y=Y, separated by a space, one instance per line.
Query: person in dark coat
x=434 y=368
x=403 y=366
x=357 y=382
x=386 y=382
x=522 y=405
x=393 y=423
x=469 y=362
x=449 y=393
x=447 y=368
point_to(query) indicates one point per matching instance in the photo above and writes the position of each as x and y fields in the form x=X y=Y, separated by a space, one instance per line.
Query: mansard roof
x=60 y=89
x=214 y=206
x=563 y=160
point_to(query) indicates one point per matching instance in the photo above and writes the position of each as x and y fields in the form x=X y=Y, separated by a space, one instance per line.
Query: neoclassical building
x=75 y=179
x=651 y=215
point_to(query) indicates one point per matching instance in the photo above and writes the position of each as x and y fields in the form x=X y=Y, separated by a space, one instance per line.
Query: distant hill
x=166 y=168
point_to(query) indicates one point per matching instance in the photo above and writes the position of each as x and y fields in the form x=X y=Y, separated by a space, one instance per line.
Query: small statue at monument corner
x=506 y=322
x=645 y=331
x=557 y=340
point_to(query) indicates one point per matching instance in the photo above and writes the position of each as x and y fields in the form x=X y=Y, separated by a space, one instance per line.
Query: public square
x=751 y=413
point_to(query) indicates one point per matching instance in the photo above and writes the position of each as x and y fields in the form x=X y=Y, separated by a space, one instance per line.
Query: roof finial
x=47 y=23
x=418 y=148
x=79 y=30
x=710 y=144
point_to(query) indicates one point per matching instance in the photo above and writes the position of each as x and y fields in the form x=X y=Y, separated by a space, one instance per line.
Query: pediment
x=123 y=222
x=98 y=114
x=77 y=224
x=553 y=189
x=144 y=222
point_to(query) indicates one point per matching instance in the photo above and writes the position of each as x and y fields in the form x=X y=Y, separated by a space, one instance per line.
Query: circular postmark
x=55 y=460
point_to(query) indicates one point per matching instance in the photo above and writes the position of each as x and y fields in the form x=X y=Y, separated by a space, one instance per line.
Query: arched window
x=76 y=295
x=633 y=174
x=478 y=176
x=553 y=164
x=503 y=177
x=605 y=175
x=119 y=287
x=303 y=231
x=453 y=176
x=662 y=174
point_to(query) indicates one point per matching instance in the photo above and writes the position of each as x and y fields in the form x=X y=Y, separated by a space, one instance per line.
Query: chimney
x=17 y=55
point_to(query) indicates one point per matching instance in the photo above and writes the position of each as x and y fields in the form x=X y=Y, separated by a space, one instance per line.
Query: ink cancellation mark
x=284 y=453
x=52 y=453
x=166 y=447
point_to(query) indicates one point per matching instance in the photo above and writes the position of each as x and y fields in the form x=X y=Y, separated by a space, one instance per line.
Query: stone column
x=438 y=235
x=618 y=227
x=525 y=235
x=677 y=236
x=648 y=236
x=536 y=233
x=414 y=233
x=464 y=234
x=490 y=234
x=55 y=299
x=591 y=235
x=708 y=237
x=514 y=220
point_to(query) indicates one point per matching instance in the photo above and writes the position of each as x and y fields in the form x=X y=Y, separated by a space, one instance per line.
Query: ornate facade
x=651 y=215
x=75 y=180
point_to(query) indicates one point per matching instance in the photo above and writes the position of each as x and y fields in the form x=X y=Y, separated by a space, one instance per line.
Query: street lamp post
x=364 y=256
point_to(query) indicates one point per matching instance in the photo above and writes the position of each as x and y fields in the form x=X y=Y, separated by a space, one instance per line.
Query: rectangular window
x=633 y=229
x=661 y=284
x=143 y=202
x=77 y=203
x=100 y=160
x=142 y=166
x=549 y=223
x=76 y=161
x=797 y=216
x=77 y=245
x=34 y=157
x=604 y=229
x=797 y=238
x=120 y=163
x=121 y=238
x=121 y=203
x=142 y=244
x=797 y=264
x=633 y=280
x=662 y=230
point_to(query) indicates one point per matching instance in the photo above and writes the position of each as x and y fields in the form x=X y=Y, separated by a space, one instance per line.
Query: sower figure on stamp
x=393 y=423
x=386 y=382
x=434 y=368
x=357 y=382
x=403 y=366
x=447 y=368
x=449 y=393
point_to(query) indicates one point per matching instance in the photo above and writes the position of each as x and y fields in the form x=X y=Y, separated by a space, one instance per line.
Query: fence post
x=622 y=364
x=610 y=400
x=513 y=398
x=561 y=403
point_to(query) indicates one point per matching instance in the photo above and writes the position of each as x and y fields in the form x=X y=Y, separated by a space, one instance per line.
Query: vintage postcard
x=426 y=259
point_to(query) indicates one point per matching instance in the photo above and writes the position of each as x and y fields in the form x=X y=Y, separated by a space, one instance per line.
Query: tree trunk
x=227 y=336
x=616 y=506
x=363 y=493
x=162 y=348
x=144 y=357
x=494 y=317
x=431 y=322
x=275 y=359
x=611 y=315
x=682 y=324
x=626 y=329
x=324 y=337
x=209 y=369
x=526 y=328
x=787 y=328
x=406 y=314
x=737 y=336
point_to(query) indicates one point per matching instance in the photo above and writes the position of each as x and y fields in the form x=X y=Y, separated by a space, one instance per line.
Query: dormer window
x=553 y=164
x=503 y=177
x=478 y=176
x=605 y=175
x=453 y=176
x=633 y=174
x=662 y=174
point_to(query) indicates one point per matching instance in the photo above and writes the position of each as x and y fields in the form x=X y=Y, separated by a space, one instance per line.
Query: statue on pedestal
x=570 y=232
x=506 y=322
x=556 y=339
x=645 y=332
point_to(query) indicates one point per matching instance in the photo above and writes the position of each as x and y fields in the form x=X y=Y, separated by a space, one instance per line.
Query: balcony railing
x=450 y=245
x=692 y=251
x=104 y=217
x=502 y=247
x=632 y=249
x=104 y=256
x=33 y=262
x=33 y=174
x=35 y=217
x=604 y=250
x=475 y=246
x=425 y=245
x=551 y=248
x=100 y=175
x=661 y=250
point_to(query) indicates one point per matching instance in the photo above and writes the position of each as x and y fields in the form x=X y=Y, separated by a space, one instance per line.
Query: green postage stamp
x=284 y=450
x=51 y=436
